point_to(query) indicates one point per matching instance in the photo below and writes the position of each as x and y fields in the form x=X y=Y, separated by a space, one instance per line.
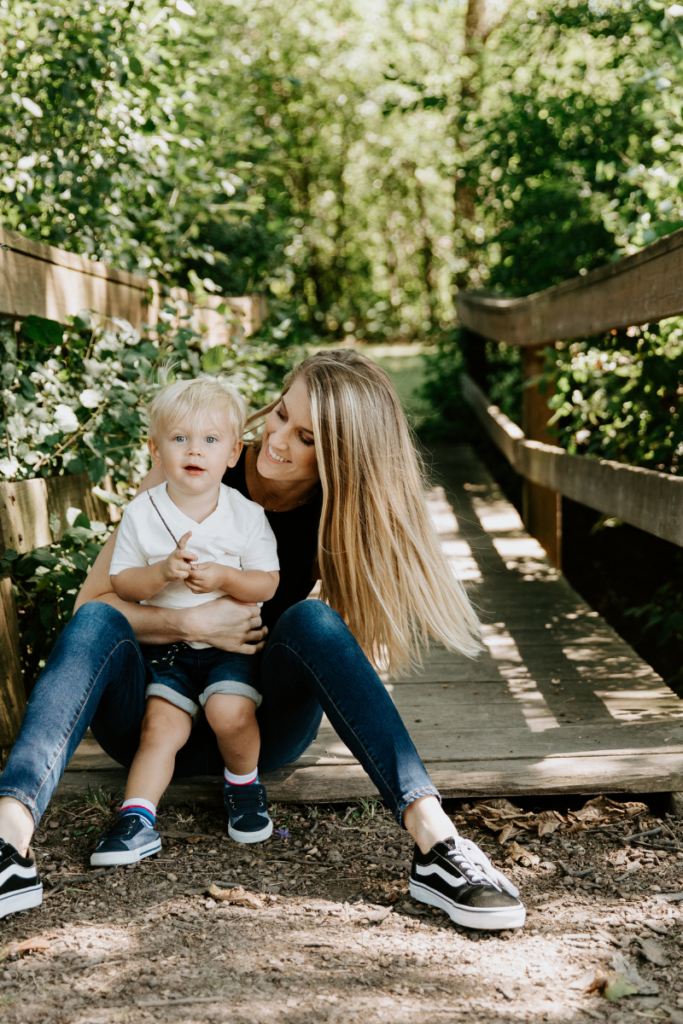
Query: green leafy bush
x=620 y=397
x=46 y=582
x=75 y=399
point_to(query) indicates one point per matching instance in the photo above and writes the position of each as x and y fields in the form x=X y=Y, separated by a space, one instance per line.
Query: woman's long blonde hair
x=381 y=563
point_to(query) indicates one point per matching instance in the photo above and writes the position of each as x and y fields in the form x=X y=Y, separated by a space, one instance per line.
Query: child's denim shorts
x=187 y=677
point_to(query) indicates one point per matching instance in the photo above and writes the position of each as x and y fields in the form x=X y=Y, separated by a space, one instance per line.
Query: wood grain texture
x=642 y=497
x=41 y=280
x=557 y=702
x=596 y=773
x=26 y=506
x=12 y=695
x=639 y=289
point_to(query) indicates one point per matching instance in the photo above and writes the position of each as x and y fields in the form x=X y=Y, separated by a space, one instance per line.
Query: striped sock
x=240 y=780
x=143 y=808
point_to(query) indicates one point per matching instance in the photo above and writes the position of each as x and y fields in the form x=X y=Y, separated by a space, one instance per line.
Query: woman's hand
x=225 y=624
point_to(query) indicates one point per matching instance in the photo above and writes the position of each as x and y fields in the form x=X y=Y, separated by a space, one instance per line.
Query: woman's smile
x=273 y=456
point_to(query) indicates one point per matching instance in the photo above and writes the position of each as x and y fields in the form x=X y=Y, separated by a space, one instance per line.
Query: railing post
x=473 y=348
x=542 y=507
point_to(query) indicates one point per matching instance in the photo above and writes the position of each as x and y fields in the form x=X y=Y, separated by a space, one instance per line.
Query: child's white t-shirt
x=237 y=534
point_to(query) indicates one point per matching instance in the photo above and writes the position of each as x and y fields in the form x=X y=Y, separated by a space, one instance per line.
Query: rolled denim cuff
x=169 y=694
x=233 y=688
x=410 y=798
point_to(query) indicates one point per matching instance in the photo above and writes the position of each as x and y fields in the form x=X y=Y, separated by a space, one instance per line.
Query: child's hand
x=178 y=565
x=206 y=577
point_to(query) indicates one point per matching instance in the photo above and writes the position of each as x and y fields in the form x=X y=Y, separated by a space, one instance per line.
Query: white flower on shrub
x=90 y=398
x=9 y=468
x=65 y=419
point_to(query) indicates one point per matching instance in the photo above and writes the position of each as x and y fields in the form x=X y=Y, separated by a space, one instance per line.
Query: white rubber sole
x=106 y=860
x=482 y=920
x=251 y=837
x=24 y=899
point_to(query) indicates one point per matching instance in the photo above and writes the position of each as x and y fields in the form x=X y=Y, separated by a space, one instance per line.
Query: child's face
x=194 y=457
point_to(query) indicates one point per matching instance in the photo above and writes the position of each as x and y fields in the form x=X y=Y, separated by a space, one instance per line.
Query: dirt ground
x=318 y=926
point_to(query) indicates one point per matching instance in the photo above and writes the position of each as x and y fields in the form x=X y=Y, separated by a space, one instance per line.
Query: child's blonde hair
x=196 y=400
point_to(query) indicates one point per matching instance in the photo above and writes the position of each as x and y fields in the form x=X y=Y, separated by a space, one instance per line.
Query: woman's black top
x=296 y=533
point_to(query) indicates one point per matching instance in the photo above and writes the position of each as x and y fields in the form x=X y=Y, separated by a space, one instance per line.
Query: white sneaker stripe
x=436 y=869
x=17 y=869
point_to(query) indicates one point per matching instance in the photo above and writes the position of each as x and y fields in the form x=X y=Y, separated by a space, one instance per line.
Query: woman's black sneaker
x=456 y=876
x=20 y=885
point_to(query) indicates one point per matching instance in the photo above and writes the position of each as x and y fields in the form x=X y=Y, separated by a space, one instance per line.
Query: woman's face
x=288 y=449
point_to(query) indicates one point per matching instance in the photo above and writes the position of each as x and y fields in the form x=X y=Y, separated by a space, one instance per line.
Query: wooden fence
x=40 y=280
x=639 y=289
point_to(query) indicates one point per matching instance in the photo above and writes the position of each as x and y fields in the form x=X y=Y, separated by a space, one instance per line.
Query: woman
x=338 y=477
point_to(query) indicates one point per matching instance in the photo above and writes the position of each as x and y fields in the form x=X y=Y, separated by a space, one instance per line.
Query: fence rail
x=646 y=499
x=639 y=289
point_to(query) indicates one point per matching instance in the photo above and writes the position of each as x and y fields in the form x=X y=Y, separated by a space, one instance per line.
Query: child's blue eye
x=211 y=440
x=180 y=438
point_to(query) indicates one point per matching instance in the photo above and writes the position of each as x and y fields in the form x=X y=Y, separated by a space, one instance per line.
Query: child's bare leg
x=233 y=721
x=165 y=729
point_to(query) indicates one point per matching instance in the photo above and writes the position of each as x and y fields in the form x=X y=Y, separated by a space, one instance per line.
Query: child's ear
x=154 y=451
x=235 y=454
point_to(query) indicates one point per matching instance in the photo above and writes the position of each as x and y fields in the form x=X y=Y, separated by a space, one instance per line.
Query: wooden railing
x=639 y=289
x=40 y=280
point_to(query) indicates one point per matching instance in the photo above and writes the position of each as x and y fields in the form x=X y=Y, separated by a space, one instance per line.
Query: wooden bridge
x=557 y=703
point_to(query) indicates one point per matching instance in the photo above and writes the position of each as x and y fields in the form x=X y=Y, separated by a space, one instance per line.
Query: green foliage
x=46 y=583
x=663 y=614
x=620 y=397
x=573 y=141
x=451 y=417
x=256 y=145
x=75 y=399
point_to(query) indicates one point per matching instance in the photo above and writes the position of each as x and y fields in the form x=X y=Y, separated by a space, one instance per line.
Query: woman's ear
x=235 y=454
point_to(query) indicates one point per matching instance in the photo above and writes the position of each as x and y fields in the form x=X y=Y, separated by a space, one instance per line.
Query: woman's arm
x=225 y=624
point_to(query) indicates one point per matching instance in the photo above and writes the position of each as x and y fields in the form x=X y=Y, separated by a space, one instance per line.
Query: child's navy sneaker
x=20 y=886
x=126 y=842
x=248 y=818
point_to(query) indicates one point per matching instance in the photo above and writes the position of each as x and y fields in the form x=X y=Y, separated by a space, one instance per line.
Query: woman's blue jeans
x=311 y=664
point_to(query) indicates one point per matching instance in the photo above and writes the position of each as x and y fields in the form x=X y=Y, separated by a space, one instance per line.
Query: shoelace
x=122 y=828
x=476 y=865
x=242 y=801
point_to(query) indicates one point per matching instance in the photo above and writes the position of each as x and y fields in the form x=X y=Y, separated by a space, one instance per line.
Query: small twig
x=639 y=835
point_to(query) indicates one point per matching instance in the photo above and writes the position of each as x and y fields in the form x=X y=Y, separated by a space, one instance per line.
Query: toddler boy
x=194 y=435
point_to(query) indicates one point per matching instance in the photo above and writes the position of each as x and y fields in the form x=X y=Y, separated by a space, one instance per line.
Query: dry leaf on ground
x=507 y=820
x=518 y=854
x=612 y=986
x=25 y=947
x=237 y=895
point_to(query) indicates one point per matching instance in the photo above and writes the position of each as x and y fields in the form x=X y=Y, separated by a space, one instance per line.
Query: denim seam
x=397 y=798
x=80 y=711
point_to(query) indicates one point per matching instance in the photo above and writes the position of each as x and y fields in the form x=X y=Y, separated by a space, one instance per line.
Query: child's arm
x=242 y=584
x=141 y=583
